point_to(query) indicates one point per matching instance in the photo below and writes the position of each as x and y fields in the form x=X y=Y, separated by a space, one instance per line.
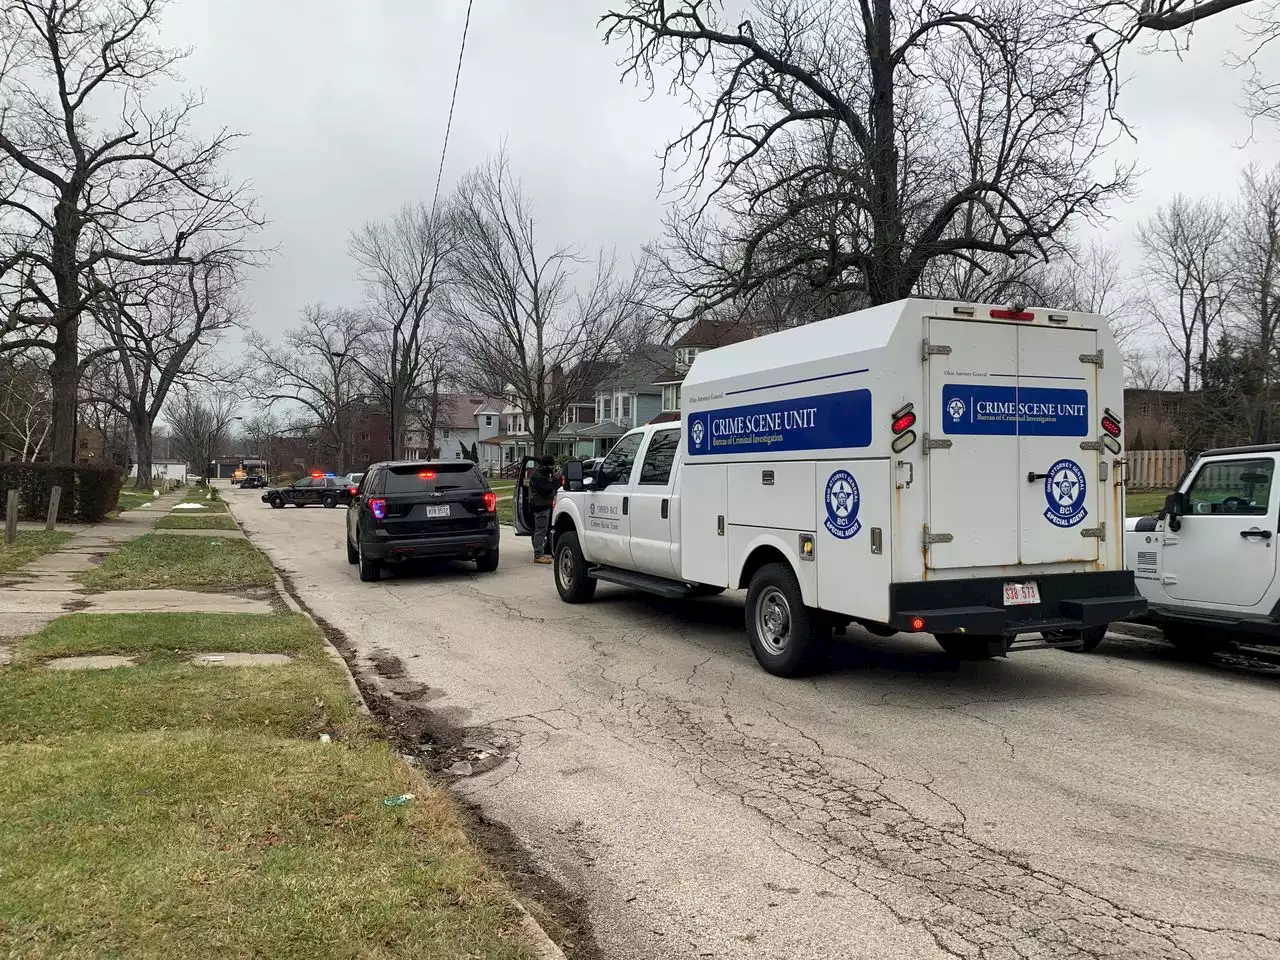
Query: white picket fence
x=1155 y=469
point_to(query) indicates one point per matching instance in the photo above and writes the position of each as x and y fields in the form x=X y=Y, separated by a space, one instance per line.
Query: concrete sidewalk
x=49 y=587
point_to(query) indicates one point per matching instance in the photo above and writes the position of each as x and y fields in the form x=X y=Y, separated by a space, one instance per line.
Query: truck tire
x=974 y=646
x=1083 y=641
x=787 y=638
x=353 y=555
x=276 y=503
x=572 y=582
x=330 y=501
x=487 y=562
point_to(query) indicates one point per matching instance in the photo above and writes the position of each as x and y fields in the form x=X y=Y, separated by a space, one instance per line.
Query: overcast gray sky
x=345 y=105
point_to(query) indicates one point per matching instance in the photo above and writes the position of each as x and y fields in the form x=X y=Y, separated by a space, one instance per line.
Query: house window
x=488 y=421
x=671 y=396
x=684 y=357
x=446 y=434
x=604 y=408
x=365 y=436
x=626 y=407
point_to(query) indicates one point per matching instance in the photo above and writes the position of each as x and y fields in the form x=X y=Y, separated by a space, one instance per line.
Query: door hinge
x=1100 y=531
x=932 y=538
x=1092 y=358
x=931 y=444
x=928 y=350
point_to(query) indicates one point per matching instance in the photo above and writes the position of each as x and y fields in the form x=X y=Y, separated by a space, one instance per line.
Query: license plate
x=438 y=510
x=1021 y=594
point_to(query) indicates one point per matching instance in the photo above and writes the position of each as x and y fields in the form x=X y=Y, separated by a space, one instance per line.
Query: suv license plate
x=1021 y=594
x=438 y=510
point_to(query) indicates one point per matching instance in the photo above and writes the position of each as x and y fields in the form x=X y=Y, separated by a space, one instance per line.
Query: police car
x=925 y=466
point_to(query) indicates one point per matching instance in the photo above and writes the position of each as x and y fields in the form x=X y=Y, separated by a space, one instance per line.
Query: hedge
x=89 y=492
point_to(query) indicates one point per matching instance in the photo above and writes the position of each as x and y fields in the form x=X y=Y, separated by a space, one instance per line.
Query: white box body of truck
x=924 y=466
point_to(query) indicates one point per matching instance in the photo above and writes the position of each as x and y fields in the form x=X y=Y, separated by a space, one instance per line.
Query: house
x=163 y=470
x=705 y=334
x=463 y=420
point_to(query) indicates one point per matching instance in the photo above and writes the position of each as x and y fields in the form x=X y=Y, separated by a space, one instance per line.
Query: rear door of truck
x=1010 y=405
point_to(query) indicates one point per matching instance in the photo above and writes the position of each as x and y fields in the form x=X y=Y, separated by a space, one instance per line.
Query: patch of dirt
x=429 y=740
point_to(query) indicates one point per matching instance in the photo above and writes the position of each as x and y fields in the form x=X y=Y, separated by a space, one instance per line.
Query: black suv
x=422 y=508
x=251 y=481
x=329 y=491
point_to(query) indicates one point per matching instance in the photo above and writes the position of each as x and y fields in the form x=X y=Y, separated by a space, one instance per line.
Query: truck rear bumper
x=1068 y=601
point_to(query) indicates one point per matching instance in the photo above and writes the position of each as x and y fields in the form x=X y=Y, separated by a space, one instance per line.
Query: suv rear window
x=430 y=478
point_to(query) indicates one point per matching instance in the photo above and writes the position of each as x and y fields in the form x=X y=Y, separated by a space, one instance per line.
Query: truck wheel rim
x=565 y=567
x=773 y=620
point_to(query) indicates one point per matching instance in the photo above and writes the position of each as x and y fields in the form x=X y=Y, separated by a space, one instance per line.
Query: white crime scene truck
x=925 y=466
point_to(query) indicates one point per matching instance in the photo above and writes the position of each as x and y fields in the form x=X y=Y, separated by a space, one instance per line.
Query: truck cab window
x=622 y=458
x=1232 y=488
x=659 y=457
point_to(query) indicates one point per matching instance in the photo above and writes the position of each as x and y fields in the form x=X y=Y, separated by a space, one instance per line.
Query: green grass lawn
x=29 y=545
x=507 y=512
x=166 y=810
x=132 y=499
x=197 y=521
x=156 y=561
x=1139 y=503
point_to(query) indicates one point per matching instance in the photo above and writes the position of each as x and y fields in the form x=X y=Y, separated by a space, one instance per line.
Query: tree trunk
x=64 y=374
x=143 y=444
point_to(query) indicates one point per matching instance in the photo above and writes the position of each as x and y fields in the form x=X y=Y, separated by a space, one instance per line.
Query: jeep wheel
x=572 y=582
x=370 y=569
x=787 y=638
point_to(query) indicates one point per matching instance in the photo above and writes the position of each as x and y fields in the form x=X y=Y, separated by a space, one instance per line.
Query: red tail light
x=379 y=508
x=904 y=422
x=1012 y=315
x=917 y=623
x=490 y=502
x=351 y=490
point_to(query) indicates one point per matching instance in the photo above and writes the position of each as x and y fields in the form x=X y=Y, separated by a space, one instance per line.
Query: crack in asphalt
x=972 y=899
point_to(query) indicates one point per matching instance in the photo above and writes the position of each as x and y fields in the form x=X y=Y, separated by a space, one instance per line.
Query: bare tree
x=25 y=411
x=1189 y=278
x=400 y=264
x=1110 y=27
x=78 y=190
x=854 y=143
x=200 y=421
x=1255 y=258
x=316 y=369
x=526 y=318
x=163 y=324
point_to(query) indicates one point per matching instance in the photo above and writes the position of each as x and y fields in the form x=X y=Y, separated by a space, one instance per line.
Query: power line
x=462 y=49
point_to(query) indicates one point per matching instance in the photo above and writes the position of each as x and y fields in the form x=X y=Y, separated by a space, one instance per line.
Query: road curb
x=543 y=946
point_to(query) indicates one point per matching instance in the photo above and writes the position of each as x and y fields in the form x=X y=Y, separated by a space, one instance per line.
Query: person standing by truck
x=542 y=495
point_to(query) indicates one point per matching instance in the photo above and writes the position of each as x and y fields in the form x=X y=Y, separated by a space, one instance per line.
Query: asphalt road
x=899 y=805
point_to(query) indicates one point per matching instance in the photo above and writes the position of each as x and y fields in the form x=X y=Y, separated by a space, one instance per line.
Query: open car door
x=523 y=508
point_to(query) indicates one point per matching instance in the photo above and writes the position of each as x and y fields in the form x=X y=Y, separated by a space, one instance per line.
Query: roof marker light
x=427 y=475
x=963 y=311
x=1058 y=318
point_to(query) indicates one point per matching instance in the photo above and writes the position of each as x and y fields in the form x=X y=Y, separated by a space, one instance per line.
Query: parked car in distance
x=318 y=488
x=421 y=509
x=354 y=478
x=253 y=481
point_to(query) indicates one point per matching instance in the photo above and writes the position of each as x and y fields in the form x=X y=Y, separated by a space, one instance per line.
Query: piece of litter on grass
x=213 y=659
x=399 y=801
x=459 y=768
x=325 y=738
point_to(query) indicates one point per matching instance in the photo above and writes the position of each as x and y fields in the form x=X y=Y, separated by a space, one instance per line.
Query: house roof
x=713 y=332
x=638 y=372
x=668 y=416
x=459 y=410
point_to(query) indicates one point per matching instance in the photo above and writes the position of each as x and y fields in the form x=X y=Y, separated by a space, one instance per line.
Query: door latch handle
x=626 y=502
x=1032 y=477
x=1260 y=534
x=665 y=509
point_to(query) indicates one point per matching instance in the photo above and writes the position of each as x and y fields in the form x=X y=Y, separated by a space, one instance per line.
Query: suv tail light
x=379 y=508
x=351 y=490
x=490 y=501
